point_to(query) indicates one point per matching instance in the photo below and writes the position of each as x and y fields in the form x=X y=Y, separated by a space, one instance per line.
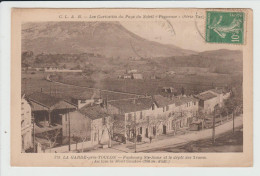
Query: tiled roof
x=132 y=105
x=43 y=99
x=161 y=101
x=218 y=91
x=206 y=96
x=93 y=112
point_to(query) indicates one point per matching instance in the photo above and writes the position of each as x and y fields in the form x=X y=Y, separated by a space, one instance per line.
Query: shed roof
x=44 y=99
x=217 y=91
x=161 y=101
x=41 y=101
x=206 y=96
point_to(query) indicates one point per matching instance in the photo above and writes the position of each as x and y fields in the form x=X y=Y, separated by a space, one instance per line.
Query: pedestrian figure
x=151 y=139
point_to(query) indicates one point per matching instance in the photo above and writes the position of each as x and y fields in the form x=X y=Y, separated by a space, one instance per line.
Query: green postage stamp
x=225 y=27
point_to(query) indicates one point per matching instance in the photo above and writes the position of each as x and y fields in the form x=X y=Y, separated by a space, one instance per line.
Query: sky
x=184 y=34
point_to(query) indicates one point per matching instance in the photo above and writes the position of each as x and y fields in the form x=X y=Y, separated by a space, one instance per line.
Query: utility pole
x=33 y=121
x=213 y=128
x=69 y=128
x=233 y=116
x=135 y=132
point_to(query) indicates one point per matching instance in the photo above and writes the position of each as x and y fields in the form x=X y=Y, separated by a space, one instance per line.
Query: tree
x=77 y=140
x=51 y=137
x=109 y=123
x=81 y=134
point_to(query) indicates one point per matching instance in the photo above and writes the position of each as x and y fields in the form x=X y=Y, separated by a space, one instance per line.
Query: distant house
x=137 y=76
x=125 y=76
x=171 y=72
x=56 y=69
x=26 y=124
x=88 y=123
x=132 y=71
x=168 y=90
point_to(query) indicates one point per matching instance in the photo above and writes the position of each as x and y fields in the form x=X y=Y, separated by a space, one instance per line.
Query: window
x=153 y=107
x=82 y=101
x=141 y=130
x=141 y=115
x=129 y=117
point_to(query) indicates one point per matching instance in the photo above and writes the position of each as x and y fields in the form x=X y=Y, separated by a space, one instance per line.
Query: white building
x=149 y=117
x=26 y=125
x=210 y=98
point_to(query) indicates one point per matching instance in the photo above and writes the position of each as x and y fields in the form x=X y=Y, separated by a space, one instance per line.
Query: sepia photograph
x=130 y=83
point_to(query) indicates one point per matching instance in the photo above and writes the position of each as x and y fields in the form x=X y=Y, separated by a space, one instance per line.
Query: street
x=172 y=141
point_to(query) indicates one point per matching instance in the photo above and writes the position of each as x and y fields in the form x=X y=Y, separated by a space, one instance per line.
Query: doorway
x=164 y=129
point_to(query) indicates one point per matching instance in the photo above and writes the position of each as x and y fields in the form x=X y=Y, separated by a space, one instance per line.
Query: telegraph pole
x=135 y=133
x=33 y=121
x=69 y=128
x=213 y=128
x=233 y=116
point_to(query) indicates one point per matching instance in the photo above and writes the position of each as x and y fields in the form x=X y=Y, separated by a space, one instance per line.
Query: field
x=192 y=84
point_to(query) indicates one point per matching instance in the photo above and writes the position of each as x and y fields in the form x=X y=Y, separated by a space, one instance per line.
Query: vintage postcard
x=132 y=87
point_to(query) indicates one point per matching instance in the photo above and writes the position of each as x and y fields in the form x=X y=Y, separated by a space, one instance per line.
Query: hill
x=109 y=39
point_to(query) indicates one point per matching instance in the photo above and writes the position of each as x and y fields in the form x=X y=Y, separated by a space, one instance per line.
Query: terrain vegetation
x=105 y=51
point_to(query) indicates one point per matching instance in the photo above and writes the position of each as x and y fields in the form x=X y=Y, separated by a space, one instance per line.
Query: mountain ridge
x=107 y=38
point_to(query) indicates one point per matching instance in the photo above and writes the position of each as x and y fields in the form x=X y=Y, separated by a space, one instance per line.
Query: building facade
x=26 y=125
x=88 y=124
x=151 y=116
x=209 y=99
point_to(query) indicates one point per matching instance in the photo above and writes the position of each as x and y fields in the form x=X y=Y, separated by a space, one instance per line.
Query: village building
x=88 y=124
x=168 y=89
x=171 y=72
x=88 y=97
x=186 y=111
x=133 y=114
x=132 y=71
x=149 y=117
x=26 y=124
x=210 y=98
x=207 y=101
x=57 y=69
x=47 y=111
x=137 y=76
